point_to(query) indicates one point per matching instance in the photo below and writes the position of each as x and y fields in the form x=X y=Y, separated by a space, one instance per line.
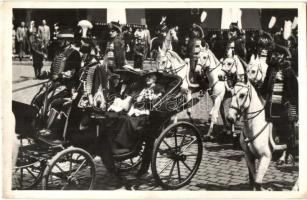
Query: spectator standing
x=139 y=49
x=127 y=36
x=32 y=35
x=37 y=54
x=147 y=39
x=13 y=40
x=44 y=35
x=115 y=51
x=54 y=41
x=22 y=39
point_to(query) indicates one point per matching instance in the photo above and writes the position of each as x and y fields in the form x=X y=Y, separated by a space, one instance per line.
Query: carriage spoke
x=166 y=144
x=61 y=170
x=178 y=168
x=31 y=173
x=70 y=163
x=182 y=141
x=176 y=142
x=166 y=166
x=188 y=145
x=185 y=164
x=79 y=168
x=171 y=172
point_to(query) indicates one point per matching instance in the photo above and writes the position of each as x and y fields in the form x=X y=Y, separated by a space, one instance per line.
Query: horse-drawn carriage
x=69 y=164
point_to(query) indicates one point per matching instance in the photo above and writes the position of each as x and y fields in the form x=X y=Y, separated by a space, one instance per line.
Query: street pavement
x=222 y=167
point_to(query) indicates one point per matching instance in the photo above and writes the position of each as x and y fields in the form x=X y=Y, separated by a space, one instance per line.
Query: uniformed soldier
x=115 y=57
x=237 y=36
x=64 y=72
x=280 y=88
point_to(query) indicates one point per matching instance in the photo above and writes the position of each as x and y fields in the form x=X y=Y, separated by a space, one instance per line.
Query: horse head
x=173 y=34
x=240 y=100
x=254 y=71
x=203 y=58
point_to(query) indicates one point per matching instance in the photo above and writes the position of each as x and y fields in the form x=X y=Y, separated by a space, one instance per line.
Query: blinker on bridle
x=239 y=112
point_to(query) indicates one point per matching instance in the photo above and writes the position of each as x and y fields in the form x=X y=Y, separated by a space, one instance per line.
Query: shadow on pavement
x=22 y=79
x=238 y=187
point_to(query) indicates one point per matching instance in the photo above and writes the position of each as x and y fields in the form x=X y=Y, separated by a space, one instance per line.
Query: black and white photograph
x=155 y=99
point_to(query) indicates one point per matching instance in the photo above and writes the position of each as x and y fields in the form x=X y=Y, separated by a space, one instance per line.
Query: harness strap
x=248 y=140
x=258 y=112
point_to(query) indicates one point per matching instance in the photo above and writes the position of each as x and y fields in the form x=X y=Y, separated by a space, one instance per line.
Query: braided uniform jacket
x=69 y=59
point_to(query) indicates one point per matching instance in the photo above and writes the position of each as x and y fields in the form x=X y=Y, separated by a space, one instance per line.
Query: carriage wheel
x=27 y=176
x=177 y=155
x=28 y=170
x=131 y=163
x=70 y=169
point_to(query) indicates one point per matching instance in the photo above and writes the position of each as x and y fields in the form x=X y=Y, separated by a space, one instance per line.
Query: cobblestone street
x=222 y=167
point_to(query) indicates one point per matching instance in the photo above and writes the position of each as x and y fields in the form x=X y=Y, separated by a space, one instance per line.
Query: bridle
x=170 y=69
x=258 y=71
x=248 y=96
x=254 y=113
x=204 y=66
x=234 y=64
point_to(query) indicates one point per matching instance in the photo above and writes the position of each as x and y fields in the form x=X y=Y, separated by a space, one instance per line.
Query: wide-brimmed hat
x=115 y=26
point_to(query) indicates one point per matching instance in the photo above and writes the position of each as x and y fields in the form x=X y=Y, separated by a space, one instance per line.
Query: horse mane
x=242 y=64
x=213 y=58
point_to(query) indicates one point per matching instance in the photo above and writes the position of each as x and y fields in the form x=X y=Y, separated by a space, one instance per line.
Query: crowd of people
x=77 y=52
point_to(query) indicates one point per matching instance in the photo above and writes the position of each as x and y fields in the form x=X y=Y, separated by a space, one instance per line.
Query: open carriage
x=175 y=157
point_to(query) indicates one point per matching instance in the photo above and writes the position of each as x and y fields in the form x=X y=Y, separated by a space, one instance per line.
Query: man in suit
x=44 y=35
x=37 y=55
x=21 y=36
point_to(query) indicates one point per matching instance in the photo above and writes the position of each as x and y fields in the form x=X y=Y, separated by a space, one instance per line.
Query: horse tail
x=274 y=146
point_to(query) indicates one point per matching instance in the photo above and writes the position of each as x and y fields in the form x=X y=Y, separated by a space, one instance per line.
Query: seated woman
x=127 y=125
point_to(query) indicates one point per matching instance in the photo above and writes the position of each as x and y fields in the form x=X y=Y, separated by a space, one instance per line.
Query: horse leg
x=282 y=158
x=214 y=115
x=251 y=165
x=262 y=168
x=189 y=98
x=222 y=112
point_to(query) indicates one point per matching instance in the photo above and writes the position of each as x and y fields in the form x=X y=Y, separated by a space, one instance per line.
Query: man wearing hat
x=37 y=54
x=115 y=52
x=196 y=34
x=139 y=51
x=238 y=38
x=280 y=88
x=65 y=71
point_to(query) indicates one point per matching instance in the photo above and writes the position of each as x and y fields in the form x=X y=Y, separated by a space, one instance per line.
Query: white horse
x=168 y=38
x=256 y=69
x=210 y=65
x=257 y=139
x=234 y=70
x=170 y=62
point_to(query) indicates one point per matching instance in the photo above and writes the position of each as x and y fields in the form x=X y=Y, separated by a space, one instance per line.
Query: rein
x=247 y=139
x=171 y=69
